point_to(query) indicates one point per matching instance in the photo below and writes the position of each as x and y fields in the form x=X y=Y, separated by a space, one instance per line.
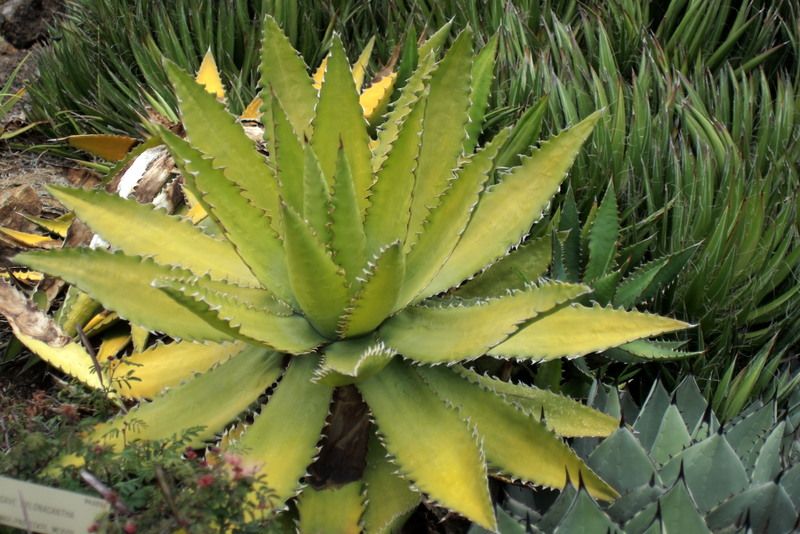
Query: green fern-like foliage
x=332 y=274
x=679 y=470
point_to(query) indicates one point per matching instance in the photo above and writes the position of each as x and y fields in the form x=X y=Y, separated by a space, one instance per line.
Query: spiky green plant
x=678 y=469
x=333 y=270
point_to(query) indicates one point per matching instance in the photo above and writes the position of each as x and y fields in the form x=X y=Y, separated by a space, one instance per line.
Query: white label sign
x=46 y=510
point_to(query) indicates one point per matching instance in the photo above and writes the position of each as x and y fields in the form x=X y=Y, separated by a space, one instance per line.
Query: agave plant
x=679 y=469
x=332 y=276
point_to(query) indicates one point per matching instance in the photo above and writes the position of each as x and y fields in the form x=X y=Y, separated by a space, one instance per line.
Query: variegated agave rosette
x=339 y=269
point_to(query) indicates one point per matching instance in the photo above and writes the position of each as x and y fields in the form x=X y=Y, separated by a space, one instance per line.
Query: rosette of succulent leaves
x=318 y=324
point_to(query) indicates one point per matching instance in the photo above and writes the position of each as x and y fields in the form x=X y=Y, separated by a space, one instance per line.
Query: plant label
x=36 y=508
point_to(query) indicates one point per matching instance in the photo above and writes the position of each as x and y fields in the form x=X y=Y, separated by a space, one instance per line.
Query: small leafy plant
x=352 y=279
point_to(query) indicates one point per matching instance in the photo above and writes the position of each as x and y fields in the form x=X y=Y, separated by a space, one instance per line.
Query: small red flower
x=94 y=527
x=190 y=454
x=130 y=527
x=205 y=480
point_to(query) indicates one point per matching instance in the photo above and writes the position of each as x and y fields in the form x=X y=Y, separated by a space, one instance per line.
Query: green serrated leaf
x=282 y=441
x=576 y=330
x=378 y=293
x=405 y=103
x=435 y=448
x=163 y=366
x=288 y=155
x=150 y=232
x=520 y=267
x=443 y=131
x=339 y=120
x=481 y=84
x=319 y=284
x=284 y=73
x=347 y=231
x=515 y=442
x=206 y=122
x=240 y=381
x=500 y=221
x=390 y=500
x=435 y=333
x=88 y=270
x=446 y=222
x=386 y=219
x=316 y=196
x=244 y=225
x=335 y=510
x=565 y=416
x=286 y=333
x=346 y=360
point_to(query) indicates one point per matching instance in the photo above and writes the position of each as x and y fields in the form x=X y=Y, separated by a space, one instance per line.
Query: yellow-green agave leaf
x=339 y=121
x=319 y=284
x=443 y=133
x=501 y=220
x=576 y=330
x=512 y=437
x=379 y=287
x=434 y=332
x=285 y=74
x=334 y=510
x=520 y=267
x=246 y=227
x=344 y=361
x=114 y=278
x=390 y=499
x=141 y=230
x=289 y=157
x=146 y=374
x=565 y=416
x=348 y=240
x=432 y=445
x=206 y=121
x=239 y=381
x=282 y=441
